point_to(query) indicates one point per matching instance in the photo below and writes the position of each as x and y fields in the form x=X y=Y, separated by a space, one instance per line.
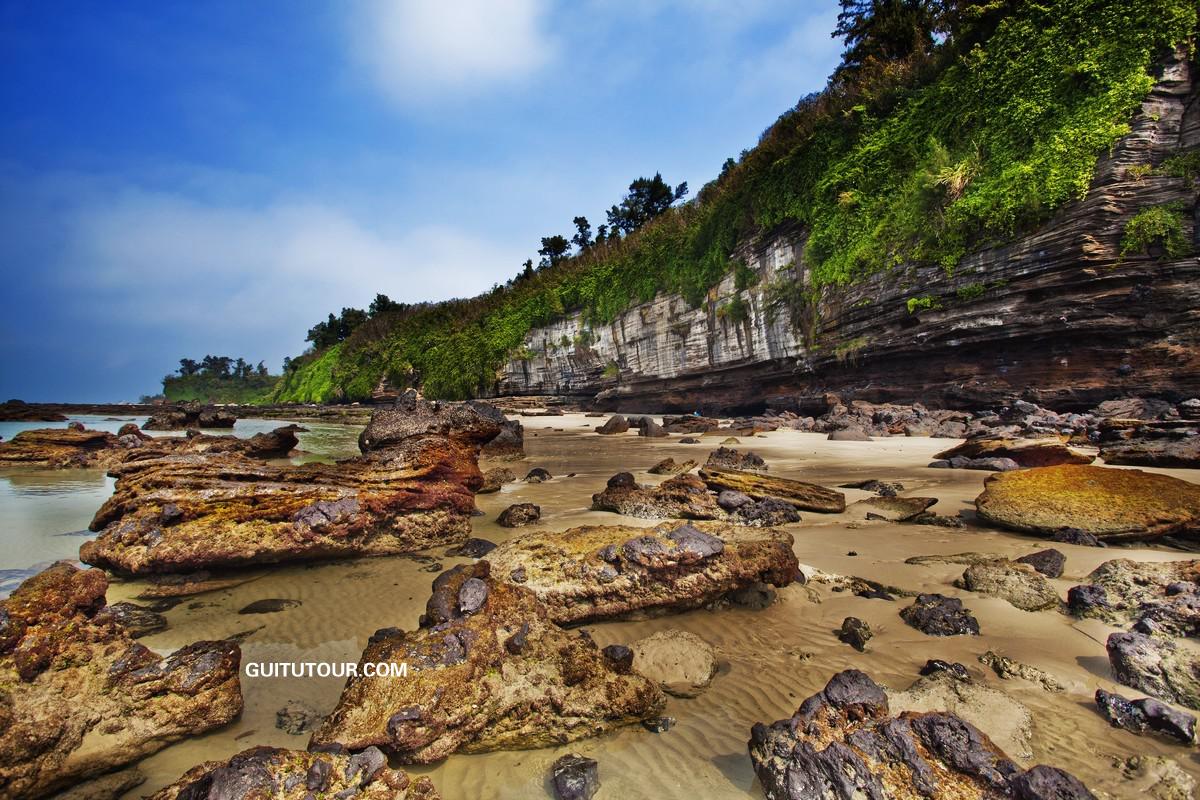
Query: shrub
x=1157 y=226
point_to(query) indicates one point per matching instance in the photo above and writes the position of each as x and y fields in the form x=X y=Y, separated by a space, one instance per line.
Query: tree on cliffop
x=647 y=198
x=554 y=249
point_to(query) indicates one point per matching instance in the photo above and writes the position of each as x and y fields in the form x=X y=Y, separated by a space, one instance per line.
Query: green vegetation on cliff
x=948 y=127
x=219 y=379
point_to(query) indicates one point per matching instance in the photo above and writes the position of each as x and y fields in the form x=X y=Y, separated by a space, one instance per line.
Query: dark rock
x=537 y=475
x=615 y=424
x=575 y=777
x=519 y=515
x=689 y=440
x=651 y=429
x=620 y=655
x=938 y=615
x=935 y=665
x=472 y=548
x=1087 y=600
x=1146 y=715
x=767 y=513
x=138 y=620
x=1158 y=667
x=268 y=606
x=1048 y=562
x=659 y=724
x=855 y=633
x=1076 y=537
x=1049 y=783
x=472 y=595
x=732 y=501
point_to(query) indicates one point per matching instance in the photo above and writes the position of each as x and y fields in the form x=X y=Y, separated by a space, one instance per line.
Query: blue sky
x=187 y=178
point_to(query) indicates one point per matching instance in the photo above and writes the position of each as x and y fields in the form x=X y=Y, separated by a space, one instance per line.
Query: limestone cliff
x=1058 y=315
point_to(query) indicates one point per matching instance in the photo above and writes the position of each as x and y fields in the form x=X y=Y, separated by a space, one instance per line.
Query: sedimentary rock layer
x=606 y=571
x=487 y=670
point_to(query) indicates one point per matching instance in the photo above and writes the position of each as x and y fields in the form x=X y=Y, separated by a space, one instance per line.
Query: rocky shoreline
x=496 y=661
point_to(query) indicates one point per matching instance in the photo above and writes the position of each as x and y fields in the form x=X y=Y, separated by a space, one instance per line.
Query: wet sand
x=770 y=660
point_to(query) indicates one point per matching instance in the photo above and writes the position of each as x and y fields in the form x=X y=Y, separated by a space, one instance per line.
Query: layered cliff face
x=1059 y=315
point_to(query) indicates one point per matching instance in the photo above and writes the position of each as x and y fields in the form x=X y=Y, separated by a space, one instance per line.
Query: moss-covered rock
x=804 y=496
x=487 y=670
x=1111 y=504
x=607 y=571
x=79 y=697
x=1027 y=453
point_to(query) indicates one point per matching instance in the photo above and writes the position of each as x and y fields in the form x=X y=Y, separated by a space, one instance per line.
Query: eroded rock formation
x=413 y=488
x=602 y=572
x=79 y=697
x=487 y=670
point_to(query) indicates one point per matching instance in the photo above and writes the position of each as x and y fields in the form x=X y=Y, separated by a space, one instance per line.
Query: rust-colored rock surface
x=79 y=697
x=804 y=496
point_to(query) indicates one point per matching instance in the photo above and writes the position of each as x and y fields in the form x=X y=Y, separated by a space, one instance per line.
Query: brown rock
x=804 y=496
x=82 y=698
x=1030 y=453
x=681 y=497
x=519 y=515
x=602 y=572
x=279 y=774
x=503 y=676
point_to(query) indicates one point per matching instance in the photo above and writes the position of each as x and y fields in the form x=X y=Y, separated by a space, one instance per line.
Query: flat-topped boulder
x=728 y=458
x=804 y=496
x=81 y=697
x=487 y=670
x=281 y=774
x=412 y=489
x=1156 y=597
x=599 y=572
x=844 y=743
x=1111 y=504
x=1019 y=584
x=1025 y=452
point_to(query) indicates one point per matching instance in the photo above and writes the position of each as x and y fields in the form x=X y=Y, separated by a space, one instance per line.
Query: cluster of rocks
x=78 y=447
x=81 y=697
x=190 y=415
x=620 y=424
x=599 y=572
x=412 y=489
x=283 y=774
x=844 y=743
x=1160 y=603
x=748 y=498
x=1001 y=454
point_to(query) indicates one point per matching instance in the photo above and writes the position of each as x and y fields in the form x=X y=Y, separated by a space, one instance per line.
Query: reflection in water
x=38 y=506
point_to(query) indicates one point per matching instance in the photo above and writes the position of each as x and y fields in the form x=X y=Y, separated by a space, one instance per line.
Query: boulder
x=495 y=478
x=1027 y=453
x=82 y=698
x=279 y=774
x=843 y=744
x=766 y=513
x=1111 y=504
x=497 y=676
x=538 y=475
x=668 y=467
x=615 y=424
x=519 y=515
x=728 y=458
x=938 y=615
x=651 y=429
x=690 y=423
x=804 y=496
x=882 y=488
x=575 y=777
x=855 y=633
x=1146 y=715
x=1019 y=584
x=1159 y=667
x=1048 y=562
x=849 y=435
x=184 y=513
x=472 y=548
x=137 y=620
x=604 y=572
x=681 y=497
x=681 y=662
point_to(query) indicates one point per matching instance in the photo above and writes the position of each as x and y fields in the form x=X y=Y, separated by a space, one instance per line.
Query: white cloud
x=418 y=51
